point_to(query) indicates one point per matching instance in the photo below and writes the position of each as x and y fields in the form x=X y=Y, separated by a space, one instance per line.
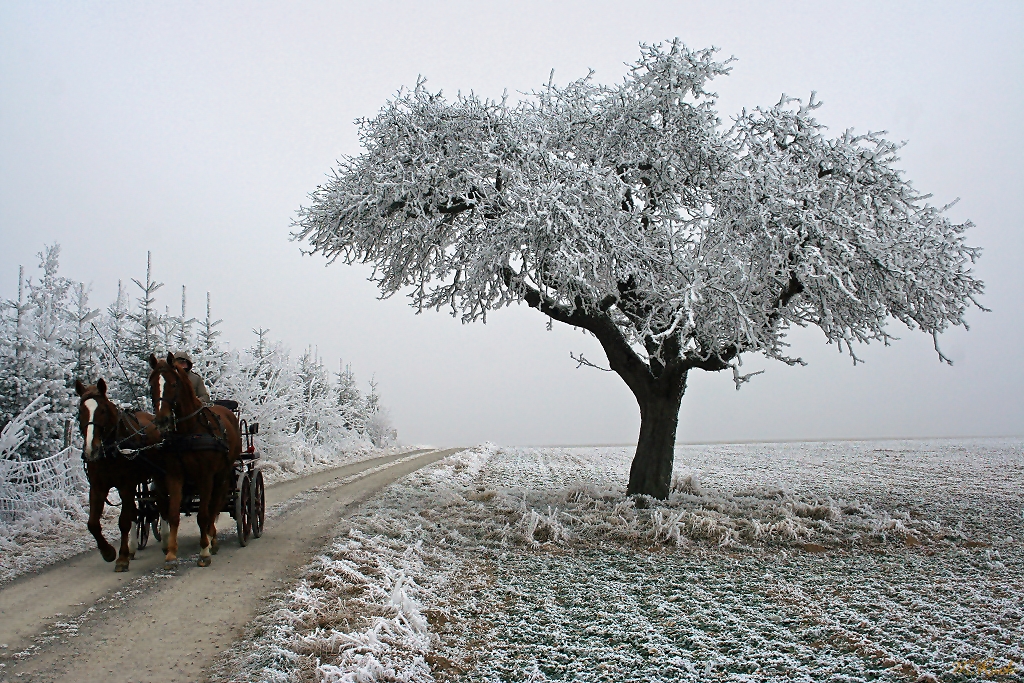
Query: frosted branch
x=739 y=379
x=582 y=361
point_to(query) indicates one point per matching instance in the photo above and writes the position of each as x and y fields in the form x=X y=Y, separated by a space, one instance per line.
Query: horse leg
x=163 y=506
x=214 y=543
x=174 y=486
x=126 y=523
x=97 y=499
x=221 y=498
x=203 y=518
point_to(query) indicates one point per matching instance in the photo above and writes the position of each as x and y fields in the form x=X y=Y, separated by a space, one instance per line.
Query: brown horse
x=200 y=445
x=109 y=433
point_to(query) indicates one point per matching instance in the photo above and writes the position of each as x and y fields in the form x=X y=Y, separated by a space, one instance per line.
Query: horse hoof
x=214 y=548
x=108 y=555
x=131 y=556
x=205 y=561
x=172 y=564
x=121 y=567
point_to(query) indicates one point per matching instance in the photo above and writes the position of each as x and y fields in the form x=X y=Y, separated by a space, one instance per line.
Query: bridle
x=110 y=444
x=172 y=402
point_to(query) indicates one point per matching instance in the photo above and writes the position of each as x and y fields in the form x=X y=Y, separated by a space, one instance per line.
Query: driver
x=184 y=362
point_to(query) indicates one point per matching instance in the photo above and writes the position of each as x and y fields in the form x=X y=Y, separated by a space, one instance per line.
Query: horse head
x=172 y=393
x=97 y=417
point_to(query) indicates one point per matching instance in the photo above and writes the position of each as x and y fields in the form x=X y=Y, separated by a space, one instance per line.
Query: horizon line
x=770 y=441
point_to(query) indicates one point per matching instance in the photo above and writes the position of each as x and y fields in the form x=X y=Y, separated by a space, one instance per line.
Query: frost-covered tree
x=46 y=356
x=209 y=360
x=317 y=404
x=115 y=334
x=83 y=343
x=371 y=404
x=147 y=333
x=14 y=341
x=348 y=397
x=632 y=212
x=208 y=333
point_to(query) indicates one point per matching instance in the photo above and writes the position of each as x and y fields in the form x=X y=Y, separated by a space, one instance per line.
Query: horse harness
x=216 y=438
x=126 y=447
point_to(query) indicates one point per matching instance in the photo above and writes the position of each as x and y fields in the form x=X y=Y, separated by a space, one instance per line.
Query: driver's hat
x=183 y=355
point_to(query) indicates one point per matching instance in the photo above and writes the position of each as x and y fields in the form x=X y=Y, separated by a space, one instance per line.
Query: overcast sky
x=195 y=130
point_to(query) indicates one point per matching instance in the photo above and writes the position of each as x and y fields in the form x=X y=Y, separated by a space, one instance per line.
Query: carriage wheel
x=259 y=504
x=155 y=526
x=242 y=506
x=142 y=529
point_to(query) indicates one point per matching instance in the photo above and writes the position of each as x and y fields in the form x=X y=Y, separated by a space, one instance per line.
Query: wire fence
x=30 y=486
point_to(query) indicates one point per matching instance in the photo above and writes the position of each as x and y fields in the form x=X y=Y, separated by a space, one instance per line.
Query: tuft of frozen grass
x=355 y=616
x=835 y=561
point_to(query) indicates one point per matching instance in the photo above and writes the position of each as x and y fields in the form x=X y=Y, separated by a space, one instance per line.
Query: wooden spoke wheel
x=142 y=530
x=258 y=501
x=243 y=507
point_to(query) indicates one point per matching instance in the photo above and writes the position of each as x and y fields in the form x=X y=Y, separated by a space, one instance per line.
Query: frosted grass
x=844 y=561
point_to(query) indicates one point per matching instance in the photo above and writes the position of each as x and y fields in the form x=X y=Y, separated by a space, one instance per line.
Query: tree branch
x=581 y=361
x=622 y=359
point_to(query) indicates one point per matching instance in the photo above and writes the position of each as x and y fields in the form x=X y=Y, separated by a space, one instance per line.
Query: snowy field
x=841 y=561
x=57 y=531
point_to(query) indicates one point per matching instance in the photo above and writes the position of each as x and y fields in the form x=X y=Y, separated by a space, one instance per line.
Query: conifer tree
x=144 y=337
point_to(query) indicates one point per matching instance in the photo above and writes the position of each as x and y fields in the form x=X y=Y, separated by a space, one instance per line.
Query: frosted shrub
x=544 y=528
x=686 y=483
x=476 y=496
x=380 y=430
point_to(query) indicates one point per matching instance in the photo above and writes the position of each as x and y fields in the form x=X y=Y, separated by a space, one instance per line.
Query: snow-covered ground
x=56 y=532
x=845 y=561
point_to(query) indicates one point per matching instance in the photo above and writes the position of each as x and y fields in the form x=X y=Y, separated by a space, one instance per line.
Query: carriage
x=246 y=502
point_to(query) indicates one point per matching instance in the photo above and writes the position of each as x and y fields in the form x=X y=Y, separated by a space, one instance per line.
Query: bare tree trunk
x=658 y=386
x=651 y=471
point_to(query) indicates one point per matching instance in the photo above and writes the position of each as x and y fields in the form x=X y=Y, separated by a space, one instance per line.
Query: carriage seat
x=227 y=403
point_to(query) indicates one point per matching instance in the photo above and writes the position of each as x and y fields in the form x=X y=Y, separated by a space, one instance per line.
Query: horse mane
x=186 y=386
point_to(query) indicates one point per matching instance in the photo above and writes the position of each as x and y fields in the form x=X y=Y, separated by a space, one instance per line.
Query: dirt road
x=80 y=621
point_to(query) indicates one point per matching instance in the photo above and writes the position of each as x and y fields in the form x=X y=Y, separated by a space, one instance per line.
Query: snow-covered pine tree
x=115 y=332
x=14 y=317
x=45 y=362
x=376 y=419
x=209 y=332
x=84 y=345
x=316 y=405
x=183 y=337
x=264 y=381
x=348 y=398
x=371 y=404
x=209 y=361
x=144 y=336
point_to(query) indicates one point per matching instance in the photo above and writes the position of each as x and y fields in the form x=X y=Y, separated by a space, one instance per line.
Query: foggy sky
x=195 y=130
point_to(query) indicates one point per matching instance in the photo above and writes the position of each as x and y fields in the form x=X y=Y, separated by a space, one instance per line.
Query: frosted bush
x=544 y=528
x=686 y=483
x=356 y=615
